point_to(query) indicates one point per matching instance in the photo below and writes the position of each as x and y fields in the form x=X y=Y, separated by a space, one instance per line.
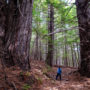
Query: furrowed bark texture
x=49 y=58
x=18 y=25
x=83 y=14
x=2 y=28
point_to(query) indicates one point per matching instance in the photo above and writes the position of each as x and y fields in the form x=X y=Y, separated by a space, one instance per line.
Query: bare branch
x=61 y=30
x=64 y=30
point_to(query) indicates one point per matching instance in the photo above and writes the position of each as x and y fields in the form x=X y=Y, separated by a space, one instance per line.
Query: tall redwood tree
x=49 y=59
x=17 y=27
x=83 y=14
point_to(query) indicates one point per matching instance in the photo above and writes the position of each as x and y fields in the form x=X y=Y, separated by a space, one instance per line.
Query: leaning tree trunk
x=83 y=14
x=18 y=24
x=49 y=58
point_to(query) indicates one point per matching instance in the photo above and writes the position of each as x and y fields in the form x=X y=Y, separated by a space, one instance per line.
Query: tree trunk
x=40 y=49
x=2 y=27
x=66 y=54
x=72 y=55
x=78 y=51
x=49 y=58
x=83 y=14
x=36 y=56
x=18 y=25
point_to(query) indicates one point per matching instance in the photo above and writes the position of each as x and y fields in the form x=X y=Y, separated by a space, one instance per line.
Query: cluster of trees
x=52 y=35
x=58 y=39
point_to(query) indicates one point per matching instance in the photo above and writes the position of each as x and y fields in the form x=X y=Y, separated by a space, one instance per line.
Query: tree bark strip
x=49 y=58
x=18 y=25
x=83 y=14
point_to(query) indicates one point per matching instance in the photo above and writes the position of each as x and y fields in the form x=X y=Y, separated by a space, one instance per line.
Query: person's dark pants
x=58 y=75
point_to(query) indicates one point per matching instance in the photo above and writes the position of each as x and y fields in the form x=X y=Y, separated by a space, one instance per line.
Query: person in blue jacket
x=59 y=71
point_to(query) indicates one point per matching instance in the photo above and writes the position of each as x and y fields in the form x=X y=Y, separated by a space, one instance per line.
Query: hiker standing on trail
x=59 y=71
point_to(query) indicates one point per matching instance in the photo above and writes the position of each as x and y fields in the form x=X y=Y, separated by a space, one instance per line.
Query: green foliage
x=21 y=73
x=39 y=80
x=26 y=87
x=27 y=73
x=64 y=17
x=48 y=68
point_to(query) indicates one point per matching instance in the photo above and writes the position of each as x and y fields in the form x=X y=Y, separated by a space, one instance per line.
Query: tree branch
x=64 y=30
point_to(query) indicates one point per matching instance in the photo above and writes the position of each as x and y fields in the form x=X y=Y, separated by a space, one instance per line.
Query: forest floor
x=42 y=77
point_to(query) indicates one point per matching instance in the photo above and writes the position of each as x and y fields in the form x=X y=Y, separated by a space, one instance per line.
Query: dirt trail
x=70 y=80
x=42 y=77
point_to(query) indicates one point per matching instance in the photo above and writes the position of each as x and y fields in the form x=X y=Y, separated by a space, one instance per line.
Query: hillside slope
x=42 y=77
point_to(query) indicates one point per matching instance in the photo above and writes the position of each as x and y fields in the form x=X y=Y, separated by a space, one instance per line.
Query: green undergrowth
x=39 y=80
x=26 y=87
x=47 y=69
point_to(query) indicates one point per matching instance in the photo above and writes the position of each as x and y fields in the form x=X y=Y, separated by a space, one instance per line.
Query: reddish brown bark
x=49 y=58
x=83 y=14
x=18 y=25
